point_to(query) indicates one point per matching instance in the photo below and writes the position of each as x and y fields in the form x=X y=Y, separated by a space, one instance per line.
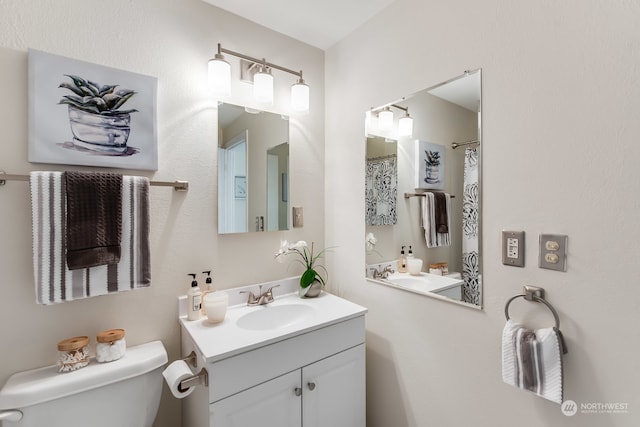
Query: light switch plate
x=553 y=252
x=513 y=248
x=298 y=217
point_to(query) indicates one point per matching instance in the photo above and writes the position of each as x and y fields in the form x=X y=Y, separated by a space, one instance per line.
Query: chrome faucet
x=381 y=273
x=262 y=298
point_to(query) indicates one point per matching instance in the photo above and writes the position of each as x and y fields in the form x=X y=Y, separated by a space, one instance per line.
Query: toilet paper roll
x=174 y=374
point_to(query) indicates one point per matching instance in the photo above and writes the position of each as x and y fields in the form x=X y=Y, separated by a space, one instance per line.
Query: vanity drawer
x=240 y=372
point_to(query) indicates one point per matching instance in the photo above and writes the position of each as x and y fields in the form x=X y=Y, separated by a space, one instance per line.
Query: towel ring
x=532 y=293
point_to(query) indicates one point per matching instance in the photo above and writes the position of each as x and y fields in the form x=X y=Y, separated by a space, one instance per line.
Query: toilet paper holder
x=201 y=378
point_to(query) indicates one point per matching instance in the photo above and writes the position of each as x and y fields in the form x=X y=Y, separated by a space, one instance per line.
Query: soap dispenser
x=208 y=288
x=194 y=300
x=402 y=262
x=410 y=254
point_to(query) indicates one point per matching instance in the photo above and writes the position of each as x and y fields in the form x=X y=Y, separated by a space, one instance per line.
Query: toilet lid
x=40 y=385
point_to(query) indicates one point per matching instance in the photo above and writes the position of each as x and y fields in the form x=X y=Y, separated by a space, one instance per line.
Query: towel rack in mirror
x=177 y=185
x=408 y=195
x=533 y=293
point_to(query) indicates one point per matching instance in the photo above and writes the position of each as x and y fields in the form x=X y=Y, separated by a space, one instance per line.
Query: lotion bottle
x=208 y=288
x=410 y=254
x=402 y=262
x=194 y=300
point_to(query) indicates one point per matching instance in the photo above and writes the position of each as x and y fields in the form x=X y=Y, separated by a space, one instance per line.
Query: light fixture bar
x=258 y=61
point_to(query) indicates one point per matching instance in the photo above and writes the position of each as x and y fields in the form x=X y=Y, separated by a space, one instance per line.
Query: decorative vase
x=433 y=174
x=311 y=291
x=97 y=132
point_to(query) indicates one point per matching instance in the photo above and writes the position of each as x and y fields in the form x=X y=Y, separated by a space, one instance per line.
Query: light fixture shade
x=220 y=76
x=385 y=119
x=263 y=87
x=405 y=125
x=300 y=96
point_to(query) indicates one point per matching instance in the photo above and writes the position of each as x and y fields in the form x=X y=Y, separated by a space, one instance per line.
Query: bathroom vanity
x=292 y=362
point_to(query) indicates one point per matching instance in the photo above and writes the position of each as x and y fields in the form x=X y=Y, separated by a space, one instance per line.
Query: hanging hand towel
x=94 y=218
x=433 y=237
x=532 y=360
x=54 y=281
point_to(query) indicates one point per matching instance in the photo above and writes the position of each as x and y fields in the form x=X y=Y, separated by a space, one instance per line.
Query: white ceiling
x=319 y=23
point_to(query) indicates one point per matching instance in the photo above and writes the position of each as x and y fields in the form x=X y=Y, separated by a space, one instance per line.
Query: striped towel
x=54 y=281
x=532 y=360
x=433 y=238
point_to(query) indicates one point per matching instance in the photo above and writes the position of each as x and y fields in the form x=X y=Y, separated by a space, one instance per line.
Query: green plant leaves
x=93 y=98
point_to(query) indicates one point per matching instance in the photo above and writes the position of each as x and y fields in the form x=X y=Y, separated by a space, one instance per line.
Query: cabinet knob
x=311 y=385
x=297 y=391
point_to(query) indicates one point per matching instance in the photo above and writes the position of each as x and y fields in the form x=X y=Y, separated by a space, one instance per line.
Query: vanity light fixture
x=385 y=119
x=263 y=86
x=405 y=123
x=220 y=80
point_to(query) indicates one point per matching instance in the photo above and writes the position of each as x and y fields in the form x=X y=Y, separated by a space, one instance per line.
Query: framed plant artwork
x=430 y=165
x=87 y=114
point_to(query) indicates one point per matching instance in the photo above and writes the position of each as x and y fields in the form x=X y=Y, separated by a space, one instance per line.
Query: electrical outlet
x=298 y=217
x=553 y=252
x=513 y=248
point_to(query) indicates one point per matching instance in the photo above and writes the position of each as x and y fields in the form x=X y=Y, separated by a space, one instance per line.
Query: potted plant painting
x=97 y=121
x=432 y=165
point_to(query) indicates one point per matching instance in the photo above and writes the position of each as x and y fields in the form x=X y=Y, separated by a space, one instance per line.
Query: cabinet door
x=334 y=390
x=274 y=403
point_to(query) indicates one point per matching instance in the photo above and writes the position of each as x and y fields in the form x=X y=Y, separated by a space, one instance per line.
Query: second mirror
x=253 y=170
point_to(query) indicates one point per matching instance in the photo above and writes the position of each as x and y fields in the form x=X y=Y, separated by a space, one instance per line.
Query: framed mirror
x=253 y=170
x=423 y=185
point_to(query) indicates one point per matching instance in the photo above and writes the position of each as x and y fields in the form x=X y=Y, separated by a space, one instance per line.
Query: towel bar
x=177 y=185
x=408 y=195
x=533 y=293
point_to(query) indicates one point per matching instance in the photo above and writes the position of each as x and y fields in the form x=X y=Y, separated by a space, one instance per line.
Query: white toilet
x=125 y=392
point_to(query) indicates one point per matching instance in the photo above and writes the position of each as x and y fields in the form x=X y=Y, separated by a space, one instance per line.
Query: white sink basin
x=275 y=317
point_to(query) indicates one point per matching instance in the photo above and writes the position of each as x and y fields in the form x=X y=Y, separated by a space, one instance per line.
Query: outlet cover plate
x=553 y=252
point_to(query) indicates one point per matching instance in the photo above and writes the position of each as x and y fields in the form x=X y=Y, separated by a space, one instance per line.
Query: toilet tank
x=125 y=392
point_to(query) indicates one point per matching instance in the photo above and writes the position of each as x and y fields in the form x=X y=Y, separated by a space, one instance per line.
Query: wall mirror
x=408 y=168
x=253 y=170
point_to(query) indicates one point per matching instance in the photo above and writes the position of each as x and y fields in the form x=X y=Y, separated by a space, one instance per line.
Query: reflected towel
x=432 y=236
x=532 y=360
x=94 y=218
x=54 y=282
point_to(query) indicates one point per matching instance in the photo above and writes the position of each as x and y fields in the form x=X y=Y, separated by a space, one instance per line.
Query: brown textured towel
x=441 y=217
x=94 y=218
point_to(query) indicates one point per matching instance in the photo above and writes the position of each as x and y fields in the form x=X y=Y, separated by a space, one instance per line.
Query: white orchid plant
x=307 y=258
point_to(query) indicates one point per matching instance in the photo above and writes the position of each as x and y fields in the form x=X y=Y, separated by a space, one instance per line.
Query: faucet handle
x=269 y=293
x=252 y=297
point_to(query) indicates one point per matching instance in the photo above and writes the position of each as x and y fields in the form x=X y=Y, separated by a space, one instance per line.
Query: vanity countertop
x=229 y=338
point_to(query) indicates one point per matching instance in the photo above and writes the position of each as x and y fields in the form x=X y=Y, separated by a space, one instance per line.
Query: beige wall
x=172 y=40
x=560 y=115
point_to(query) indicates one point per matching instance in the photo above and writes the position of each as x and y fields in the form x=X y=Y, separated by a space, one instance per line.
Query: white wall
x=560 y=115
x=172 y=40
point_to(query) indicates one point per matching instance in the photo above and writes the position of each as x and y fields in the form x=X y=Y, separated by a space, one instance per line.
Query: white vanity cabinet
x=311 y=374
x=327 y=393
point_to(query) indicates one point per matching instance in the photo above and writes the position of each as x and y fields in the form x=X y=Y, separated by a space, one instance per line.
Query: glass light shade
x=300 y=96
x=220 y=76
x=263 y=87
x=385 y=120
x=405 y=126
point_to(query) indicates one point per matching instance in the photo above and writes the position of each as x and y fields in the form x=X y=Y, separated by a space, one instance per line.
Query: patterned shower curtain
x=381 y=190
x=470 y=261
